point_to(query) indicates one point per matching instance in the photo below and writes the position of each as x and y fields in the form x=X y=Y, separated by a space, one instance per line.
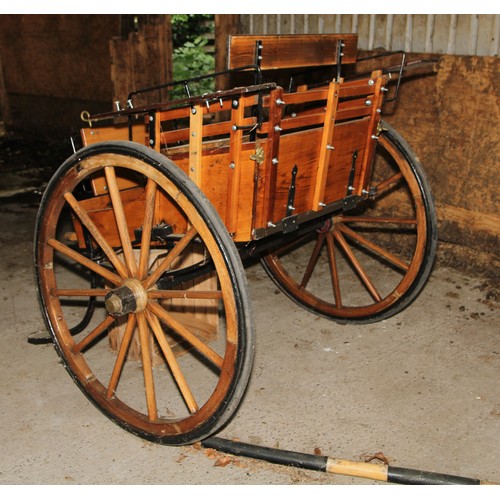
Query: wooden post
x=225 y=25
x=143 y=59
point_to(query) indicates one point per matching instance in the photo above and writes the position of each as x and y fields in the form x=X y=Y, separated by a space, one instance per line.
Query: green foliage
x=190 y=57
x=188 y=27
x=190 y=61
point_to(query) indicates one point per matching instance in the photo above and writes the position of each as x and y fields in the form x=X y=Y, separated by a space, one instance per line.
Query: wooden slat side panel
x=291 y=51
x=349 y=137
x=118 y=132
x=301 y=149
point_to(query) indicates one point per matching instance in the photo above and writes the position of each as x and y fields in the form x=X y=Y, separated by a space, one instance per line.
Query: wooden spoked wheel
x=172 y=290
x=366 y=264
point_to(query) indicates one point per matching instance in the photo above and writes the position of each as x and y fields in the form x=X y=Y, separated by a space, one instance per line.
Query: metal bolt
x=368 y=102
x=321 y=204
x=270 y=224
x=129 y=104
x=371 y=82
x=384 y=89
x=118 y=106
x=193 y=111
x=277 y=128
x=365 y=191
x=232 y=165
x=234 y=127
x=375 y=137
x=151 y=141
x=235 y=103
x=280 y=102
x=151 y=118
x=290 y=207
x=379 y=110
x=330 y=147
x=274 y=161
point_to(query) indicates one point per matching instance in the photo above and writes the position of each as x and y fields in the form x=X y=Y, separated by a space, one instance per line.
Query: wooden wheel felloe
x=169 y=279
x=369 y=263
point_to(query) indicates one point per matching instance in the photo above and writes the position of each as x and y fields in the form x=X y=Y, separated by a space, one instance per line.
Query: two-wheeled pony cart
x=141 y=234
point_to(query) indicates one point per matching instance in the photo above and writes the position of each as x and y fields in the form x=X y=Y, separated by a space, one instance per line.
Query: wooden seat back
x=271 y=52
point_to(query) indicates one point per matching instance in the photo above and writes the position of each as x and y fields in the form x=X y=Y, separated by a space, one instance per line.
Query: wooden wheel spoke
x=185 y=294
x=384 y=186
x=98 y=330
x=170 y=257
x=382 y=252
x=398 y=221
x=120 y=358
x=78 y=292
x=147 y=367
x=80 y=259
x=147 y=228
x=333 y=269
x=121 y=221
x=94 y=231
x=357 y=266
x=181 y=330
x=172 y=363
x=312 y=260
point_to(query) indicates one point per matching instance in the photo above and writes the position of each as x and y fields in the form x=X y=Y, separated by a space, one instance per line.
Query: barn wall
x=450 y=118
x=54 y=66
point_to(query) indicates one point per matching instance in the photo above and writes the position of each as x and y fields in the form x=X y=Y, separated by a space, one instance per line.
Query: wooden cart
x=142 y=233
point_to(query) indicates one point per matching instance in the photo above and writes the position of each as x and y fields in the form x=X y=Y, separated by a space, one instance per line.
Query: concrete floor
x=422 y=388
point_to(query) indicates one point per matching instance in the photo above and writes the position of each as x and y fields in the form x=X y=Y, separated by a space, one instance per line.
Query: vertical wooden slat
x=408 y=33
x=234 y=175
x=429 y=33
x=452 y=34
x=495 y=39
x=326 y=145
x=372 y=131
x=473 y=34
x=388 y=31
x=195 y=144
x=371 y=35
x=272 y=155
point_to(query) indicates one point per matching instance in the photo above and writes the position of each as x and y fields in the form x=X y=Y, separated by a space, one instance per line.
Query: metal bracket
x=152 y=130
x=340 y=54
x=350 y=186
x=291 y=192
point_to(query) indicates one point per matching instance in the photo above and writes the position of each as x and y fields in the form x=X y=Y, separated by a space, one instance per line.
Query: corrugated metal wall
x=459 y=34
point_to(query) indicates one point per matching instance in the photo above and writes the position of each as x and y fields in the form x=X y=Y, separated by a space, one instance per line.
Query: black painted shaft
x=343 y=467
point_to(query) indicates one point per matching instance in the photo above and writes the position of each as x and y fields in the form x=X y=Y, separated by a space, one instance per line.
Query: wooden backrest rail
x=290 y=51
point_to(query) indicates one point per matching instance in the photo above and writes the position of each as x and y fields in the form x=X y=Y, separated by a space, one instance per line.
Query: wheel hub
x=128 y=298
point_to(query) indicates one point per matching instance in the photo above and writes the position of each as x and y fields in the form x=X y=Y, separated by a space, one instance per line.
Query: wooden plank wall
x=458 y=34
x=142 y=59
x=56 y=65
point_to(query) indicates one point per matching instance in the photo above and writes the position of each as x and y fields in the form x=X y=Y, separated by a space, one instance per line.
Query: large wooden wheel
x=194 y=343
x=366 y=264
